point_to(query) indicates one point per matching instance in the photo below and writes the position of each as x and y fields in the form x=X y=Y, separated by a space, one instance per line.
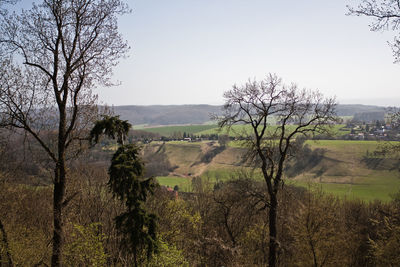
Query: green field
x=238 y=130
x=355 y=148
x=170 y=130
x=345 y=174
x=234 y=131
x=183 y=183
x=366 y=189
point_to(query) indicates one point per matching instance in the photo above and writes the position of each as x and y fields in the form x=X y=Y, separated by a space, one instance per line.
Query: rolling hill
x=200 y=114
x=343 y=170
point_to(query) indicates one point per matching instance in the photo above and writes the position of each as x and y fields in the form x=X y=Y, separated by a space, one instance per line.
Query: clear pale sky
x=191 y=51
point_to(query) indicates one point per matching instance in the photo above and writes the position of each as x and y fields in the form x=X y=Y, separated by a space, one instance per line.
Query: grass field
x=237 y=130
x=170 y=130
x=347 y=175
x=367 y=189
x=344 y=172
x=360 y=146
x=184 y=184
x=234 y=131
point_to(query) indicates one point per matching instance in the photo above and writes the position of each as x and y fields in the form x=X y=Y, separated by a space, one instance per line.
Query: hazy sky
x=191 y=51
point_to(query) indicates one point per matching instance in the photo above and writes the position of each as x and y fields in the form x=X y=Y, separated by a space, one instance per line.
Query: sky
x=191 y=51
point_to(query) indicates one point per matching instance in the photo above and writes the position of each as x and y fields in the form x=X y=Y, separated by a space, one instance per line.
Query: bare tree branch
x=67 y=48
x=296 y=112
x=386 y=16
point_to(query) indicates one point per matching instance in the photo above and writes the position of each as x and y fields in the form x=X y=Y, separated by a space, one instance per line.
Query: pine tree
x=136 y=226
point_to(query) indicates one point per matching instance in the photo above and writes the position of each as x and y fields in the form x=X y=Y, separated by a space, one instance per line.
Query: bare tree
x=386 y=15
x=298 y=112
x=53 y=55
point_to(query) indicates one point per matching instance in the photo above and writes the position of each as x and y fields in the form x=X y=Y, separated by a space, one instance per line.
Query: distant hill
x=167 y=115
x=365 y=113
x=199 y=114
x=353 y=109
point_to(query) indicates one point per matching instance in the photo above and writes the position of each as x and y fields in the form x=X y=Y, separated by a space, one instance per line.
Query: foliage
x=136 y=226
x=385 y=248
x=223 y=140
x=194 y=228
x=255 y=240
x=315 y=234
x=86 y=248
x=110 y=126
x=27 y=245
x=168 y=256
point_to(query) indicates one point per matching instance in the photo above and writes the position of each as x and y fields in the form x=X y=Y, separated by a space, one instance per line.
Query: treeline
x=223 y=224
x=199 y=114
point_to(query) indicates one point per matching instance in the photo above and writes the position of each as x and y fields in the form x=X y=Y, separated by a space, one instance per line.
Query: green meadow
x=344 y=172
x=238 y=130
x=170 y=130
x=378 y=186
x=184 y=184
x=368 y=189
x=234 y=131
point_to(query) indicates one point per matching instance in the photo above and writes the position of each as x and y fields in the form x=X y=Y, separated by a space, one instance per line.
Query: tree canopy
x=136 y=226
x=112 y=127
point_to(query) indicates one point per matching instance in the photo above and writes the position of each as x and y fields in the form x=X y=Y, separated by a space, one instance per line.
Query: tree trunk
x=135 y=257
x=5 y=241
x=58 y=198
x=59 y=192
x=273 y=243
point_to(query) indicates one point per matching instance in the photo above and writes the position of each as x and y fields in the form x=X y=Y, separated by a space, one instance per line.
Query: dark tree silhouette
x=4 y=240
x=52 y=57
x=112 y=127
x=136 y=226
x=298 y=112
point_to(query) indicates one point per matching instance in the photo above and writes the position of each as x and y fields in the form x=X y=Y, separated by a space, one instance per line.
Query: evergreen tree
x=136 y=227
